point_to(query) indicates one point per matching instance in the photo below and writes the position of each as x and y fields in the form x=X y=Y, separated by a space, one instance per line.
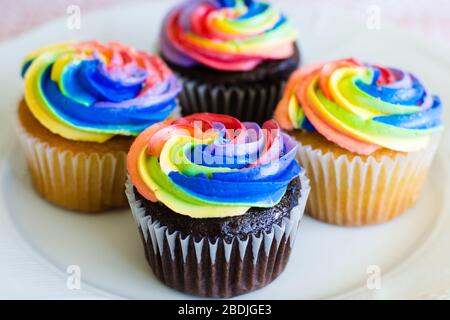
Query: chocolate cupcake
x=234 y=57
x=217 y=202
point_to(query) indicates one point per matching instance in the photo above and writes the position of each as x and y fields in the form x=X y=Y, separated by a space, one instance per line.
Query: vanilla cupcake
x=367 y=136
x=83 y=104
x=233 y=57
x=217 y=202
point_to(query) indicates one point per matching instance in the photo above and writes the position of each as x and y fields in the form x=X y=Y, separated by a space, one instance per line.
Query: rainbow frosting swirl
x=227 y=35
x=212 y=166
x=361 y=107
x=87 y=91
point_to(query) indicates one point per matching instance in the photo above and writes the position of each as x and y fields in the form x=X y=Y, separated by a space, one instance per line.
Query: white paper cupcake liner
x=358 y=191
x=81 y=181
x=217 y=268
x=77 y=181
x=247 y=102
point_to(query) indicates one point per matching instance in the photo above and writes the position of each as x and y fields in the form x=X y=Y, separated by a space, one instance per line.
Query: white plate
x=39 y=241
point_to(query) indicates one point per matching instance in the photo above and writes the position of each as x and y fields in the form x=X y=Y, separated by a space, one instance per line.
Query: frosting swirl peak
x=361 y=107
x=212 y=166
x=227 y=35
x=87 y=91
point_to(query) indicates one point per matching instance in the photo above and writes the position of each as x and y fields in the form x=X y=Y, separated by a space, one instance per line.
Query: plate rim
x=389 y=31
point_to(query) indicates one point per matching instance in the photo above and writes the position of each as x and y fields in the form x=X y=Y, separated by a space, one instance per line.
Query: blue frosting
x=93 y=91
x=262 y=185
x=430 y=118
x=95 y=101
x=239 y=187
x=411 y=96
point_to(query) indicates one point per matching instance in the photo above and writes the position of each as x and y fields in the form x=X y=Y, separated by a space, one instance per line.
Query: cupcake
x=83 y=104
x=367 y=135
x=233 y=57
x=217 y=202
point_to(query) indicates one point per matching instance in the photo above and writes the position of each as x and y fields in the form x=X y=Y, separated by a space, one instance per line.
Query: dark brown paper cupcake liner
x=255 y=102
x=217 y=268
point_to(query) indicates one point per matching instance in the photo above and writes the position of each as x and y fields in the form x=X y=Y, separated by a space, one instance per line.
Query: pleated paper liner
x=217 y=268
x=81 y=176
x=252 y=102
x=357 y=191
x=78 y=181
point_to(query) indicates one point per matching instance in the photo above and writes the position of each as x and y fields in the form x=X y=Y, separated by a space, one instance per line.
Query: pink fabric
x=17 y=16
x=428 y=17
